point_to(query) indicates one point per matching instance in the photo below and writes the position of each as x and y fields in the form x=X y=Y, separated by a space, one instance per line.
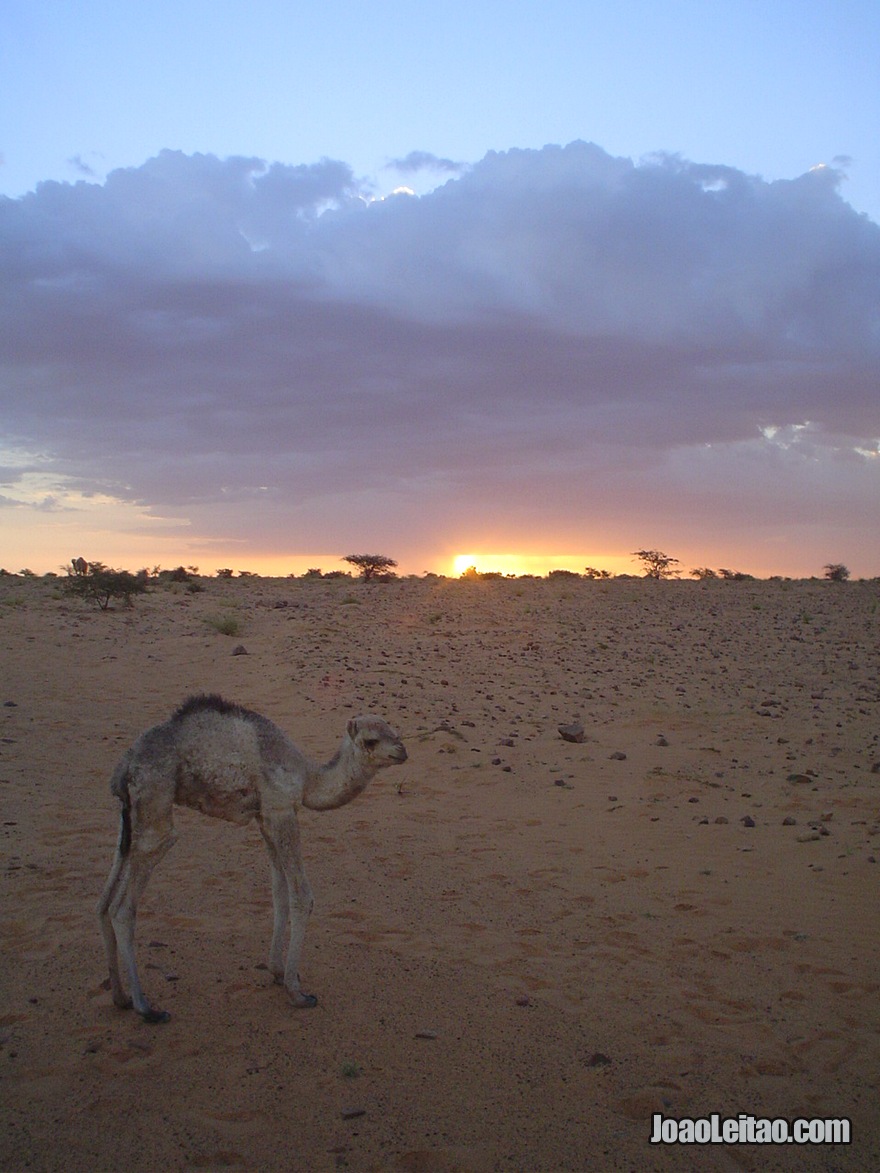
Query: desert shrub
x=224 y=624
x=474 y=575
x=101 y=585
x=179 y=574
x=836 y=571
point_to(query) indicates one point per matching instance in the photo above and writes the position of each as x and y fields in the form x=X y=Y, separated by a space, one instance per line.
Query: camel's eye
x=371 y=742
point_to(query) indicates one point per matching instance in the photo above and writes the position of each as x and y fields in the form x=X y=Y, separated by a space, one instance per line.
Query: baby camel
x=226 y=761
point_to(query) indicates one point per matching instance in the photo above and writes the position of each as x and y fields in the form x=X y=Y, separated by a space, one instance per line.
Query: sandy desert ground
x=523 y=947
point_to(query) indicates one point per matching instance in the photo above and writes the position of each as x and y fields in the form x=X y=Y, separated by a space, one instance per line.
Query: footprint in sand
x=644 y=1103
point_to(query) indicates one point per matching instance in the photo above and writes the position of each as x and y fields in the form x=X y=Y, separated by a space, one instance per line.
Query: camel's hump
x=210 y=703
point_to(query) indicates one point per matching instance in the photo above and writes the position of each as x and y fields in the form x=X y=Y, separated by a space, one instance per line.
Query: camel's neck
x=342 y=779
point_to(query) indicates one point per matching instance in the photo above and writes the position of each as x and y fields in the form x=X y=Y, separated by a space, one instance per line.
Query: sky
x=527 y=285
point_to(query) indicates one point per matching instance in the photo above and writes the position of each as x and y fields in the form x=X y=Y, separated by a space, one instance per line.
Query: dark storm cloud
x=199 y=330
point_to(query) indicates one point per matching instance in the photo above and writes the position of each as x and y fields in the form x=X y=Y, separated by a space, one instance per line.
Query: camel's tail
x=119 y=787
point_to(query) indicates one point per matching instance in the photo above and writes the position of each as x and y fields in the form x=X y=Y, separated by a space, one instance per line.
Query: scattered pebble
x=598 y=1059
x=617 y=756
x=573 y=732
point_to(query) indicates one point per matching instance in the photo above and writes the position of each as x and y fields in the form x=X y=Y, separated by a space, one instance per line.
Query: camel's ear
x=353 y=728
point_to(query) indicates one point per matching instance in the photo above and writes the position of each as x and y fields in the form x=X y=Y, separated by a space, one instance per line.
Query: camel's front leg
x=292 y=900
x=280 y=920
x=301 y=903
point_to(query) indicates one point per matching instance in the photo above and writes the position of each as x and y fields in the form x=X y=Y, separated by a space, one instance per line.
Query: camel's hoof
x=152 y=1016
x=304 y=1001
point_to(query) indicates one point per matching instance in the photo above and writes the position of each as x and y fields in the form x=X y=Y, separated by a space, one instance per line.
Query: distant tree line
x=97 y=583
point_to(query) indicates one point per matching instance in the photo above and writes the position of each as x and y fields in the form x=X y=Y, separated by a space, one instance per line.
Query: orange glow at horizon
x=539 y=564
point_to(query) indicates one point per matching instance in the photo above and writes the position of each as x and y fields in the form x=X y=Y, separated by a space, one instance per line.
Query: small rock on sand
x=573 y=732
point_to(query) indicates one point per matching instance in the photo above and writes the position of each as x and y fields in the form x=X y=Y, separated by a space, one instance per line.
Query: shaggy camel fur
x=233 y=764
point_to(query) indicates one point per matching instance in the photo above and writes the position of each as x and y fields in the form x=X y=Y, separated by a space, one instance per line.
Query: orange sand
x=581 y=938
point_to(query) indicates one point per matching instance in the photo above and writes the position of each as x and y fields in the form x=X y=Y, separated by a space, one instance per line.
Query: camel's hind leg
x=120 y=998
x=292 y=903
x=136 y=856
x=130 y=885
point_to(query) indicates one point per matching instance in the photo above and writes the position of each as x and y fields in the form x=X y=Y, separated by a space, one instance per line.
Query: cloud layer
x=556 y=341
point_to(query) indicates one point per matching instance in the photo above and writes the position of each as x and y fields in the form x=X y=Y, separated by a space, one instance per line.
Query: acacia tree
x=371 y=565
x=101 y=585
x=656 y=564
x=836 y=571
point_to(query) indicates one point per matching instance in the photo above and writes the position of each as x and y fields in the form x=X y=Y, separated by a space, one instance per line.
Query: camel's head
x=376 y=742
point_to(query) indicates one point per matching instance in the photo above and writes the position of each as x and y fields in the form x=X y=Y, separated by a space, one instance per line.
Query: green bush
x=101 y=585
x=224 y=624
